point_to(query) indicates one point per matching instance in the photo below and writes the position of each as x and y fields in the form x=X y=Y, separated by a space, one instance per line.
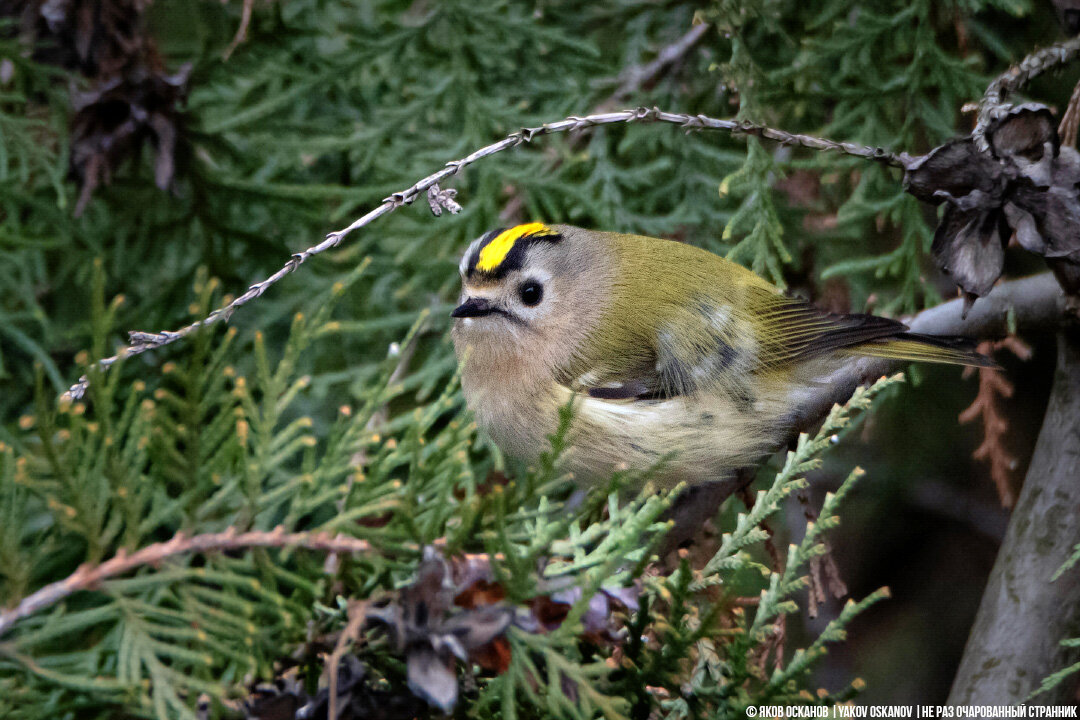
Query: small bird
x=671 y=355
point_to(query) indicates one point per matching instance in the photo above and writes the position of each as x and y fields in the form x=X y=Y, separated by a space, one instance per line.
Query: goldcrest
x=668 y=352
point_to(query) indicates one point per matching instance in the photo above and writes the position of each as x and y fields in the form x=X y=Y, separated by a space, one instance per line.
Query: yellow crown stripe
x=496 y=251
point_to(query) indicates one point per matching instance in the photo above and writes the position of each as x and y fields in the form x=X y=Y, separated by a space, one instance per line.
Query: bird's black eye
x=531 y=292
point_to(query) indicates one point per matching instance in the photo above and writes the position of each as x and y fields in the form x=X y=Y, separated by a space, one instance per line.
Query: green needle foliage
x=330 y=404
x=1054 y=679
x=213 y=448
x=330 y=105
x=890 y=75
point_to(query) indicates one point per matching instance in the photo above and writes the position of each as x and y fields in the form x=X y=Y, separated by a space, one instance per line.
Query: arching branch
x=141 y=342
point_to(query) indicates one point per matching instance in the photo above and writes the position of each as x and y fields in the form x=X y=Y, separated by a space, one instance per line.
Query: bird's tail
x=924 y=348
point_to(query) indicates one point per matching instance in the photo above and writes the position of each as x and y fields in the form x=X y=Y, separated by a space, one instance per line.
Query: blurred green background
x=156 y=141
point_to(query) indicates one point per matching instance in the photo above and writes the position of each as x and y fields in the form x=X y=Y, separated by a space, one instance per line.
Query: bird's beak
x=473 y=307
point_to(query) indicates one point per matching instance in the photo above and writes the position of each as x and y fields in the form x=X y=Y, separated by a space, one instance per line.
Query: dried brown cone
x=129 y=102
x=1025 y=184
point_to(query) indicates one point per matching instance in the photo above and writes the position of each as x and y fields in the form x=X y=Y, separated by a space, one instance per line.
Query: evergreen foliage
x=331 y=405
x=1054 y=679
x=213 y=449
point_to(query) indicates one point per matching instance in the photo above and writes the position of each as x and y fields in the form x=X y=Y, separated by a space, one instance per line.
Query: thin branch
x=357 y=614
x=633 y=79
x=994 y=104
x=1070 y=119
x=143 y=341
x=638 y=76
x=87 y=577
x=242 y=30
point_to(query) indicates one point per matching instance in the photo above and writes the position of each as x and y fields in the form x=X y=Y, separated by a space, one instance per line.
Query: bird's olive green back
x=681 y=319
x=677 y=319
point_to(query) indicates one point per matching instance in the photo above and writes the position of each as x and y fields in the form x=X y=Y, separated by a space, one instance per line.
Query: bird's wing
x=700 y=345
x=626 y=381
x=720 y=344
x=793 y=330
x=704 y=323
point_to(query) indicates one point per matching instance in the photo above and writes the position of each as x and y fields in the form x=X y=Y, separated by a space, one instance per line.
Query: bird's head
x=530 y=289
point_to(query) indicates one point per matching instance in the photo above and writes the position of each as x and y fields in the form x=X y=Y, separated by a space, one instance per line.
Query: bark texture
x=1023 y=617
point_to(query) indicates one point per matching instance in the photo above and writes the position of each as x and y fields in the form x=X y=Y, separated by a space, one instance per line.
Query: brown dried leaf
x=432 y=678
x=988 y=406
x=494 y=657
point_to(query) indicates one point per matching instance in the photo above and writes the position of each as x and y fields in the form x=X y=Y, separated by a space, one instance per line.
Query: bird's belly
x=690 y=438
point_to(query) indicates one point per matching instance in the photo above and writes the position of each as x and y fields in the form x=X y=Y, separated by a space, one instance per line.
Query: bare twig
x=143 y=341
x=639 y=76
x=987 y=406
x=633 y=79
x=88 y=577
x=1070 y=119
x=994 y=104
x=241 y=31
x=357 y=616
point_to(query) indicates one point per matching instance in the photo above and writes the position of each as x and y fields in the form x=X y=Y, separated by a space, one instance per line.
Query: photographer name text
x=911 y=711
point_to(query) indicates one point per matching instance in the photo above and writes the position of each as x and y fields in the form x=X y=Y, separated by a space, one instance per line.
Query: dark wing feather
x=793 y=330
x=626 y=390
x=701 y=351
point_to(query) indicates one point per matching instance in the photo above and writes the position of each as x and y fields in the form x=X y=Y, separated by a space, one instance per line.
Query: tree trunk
x=1023 y=617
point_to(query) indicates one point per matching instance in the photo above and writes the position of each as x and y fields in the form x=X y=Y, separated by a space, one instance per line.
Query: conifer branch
x=144 y=341
x=994 y=104
x=994 y=388
x=87 y=577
